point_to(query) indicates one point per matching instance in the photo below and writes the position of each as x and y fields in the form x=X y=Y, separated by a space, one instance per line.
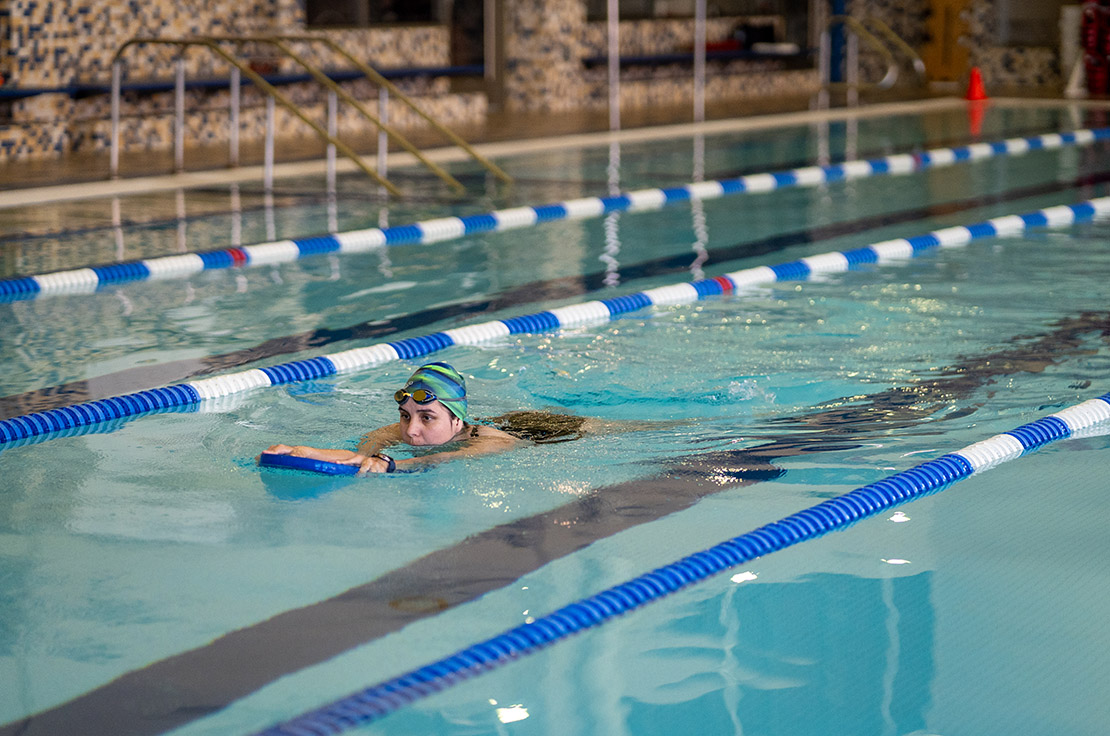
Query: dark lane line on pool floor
x=153 y=376
x=175 y=691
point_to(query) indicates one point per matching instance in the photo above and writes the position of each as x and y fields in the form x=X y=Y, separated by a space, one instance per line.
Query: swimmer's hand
x=343 y=457
x=373 y=464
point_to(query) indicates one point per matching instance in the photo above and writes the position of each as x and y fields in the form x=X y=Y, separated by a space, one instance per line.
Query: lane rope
x=69 y=418
x=378 y=701
x=89 y=279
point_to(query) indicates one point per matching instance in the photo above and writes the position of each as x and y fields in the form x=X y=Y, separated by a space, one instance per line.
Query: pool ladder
x=281 y=44
x=859 y=29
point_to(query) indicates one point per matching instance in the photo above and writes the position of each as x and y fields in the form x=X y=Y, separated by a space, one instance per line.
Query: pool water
x=972 y=611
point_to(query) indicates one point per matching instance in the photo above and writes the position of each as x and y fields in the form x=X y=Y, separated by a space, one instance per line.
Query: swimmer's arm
x=346 y=457
x=376 y=440
x=366 y=463
x=482 y=445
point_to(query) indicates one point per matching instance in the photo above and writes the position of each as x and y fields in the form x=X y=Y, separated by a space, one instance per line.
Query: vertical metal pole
x=236 y=89
x=836 y=40
x=383 y=141
x=699 y=61
x=824 y=62
x=113 y=159
x=179 y=116
x=853 y=69
x=333 y=131
x=614 y=66
x=268 y=155
x=489 y=40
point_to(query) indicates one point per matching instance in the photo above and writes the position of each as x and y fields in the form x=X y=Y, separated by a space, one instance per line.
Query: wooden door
x=945 y=58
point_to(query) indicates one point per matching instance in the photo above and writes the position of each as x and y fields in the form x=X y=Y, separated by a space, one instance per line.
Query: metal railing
x=335 y=91
x=860 y=30
x=376 y=77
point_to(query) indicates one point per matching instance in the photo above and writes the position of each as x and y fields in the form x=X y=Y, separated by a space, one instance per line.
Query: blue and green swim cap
x=444 y=382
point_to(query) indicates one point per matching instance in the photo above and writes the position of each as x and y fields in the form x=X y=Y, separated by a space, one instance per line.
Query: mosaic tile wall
x=53 y=43
x=57 y=43
x=1007 y=66
x=543 y=54
x=548 y=39
x=734 y=82
x=671 y=84
x=663 y=36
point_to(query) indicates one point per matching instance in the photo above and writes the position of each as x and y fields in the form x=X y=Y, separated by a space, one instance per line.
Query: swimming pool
x=143 y=557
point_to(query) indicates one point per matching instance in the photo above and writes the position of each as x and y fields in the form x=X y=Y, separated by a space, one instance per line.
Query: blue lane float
x=376 y=702
x=87 y=280
x=577 y=315
x=95 y=412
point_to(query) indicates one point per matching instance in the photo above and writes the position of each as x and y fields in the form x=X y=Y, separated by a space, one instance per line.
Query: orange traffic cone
x=975 y=89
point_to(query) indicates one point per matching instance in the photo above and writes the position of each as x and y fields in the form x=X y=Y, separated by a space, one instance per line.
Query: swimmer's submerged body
x=432 y=410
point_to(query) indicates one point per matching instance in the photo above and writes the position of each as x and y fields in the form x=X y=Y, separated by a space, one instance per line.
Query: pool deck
x=85 y=176
x=497 y=134
x=43 y=197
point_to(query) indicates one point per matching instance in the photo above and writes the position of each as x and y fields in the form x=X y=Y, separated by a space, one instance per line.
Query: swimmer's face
x=427 y=424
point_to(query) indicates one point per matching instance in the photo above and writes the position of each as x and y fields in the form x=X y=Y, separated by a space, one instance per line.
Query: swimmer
x=433 y=412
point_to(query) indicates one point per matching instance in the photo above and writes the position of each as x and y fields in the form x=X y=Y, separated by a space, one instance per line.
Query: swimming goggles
x=420 y=396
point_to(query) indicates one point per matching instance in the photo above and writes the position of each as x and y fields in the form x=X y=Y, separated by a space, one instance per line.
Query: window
x=794 y=14
x=641 y=9
x=1029 y=22
x=360 y=13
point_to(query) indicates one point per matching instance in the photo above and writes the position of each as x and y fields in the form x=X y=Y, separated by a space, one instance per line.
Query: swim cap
x=443 y=381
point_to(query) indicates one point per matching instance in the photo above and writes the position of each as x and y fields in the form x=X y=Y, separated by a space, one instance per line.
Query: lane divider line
x=836 y=514
x=88 y=280
x=66 y=419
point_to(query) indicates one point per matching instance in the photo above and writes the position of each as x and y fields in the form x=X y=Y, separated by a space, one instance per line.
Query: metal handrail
x=899 y=42
x=258 y=81
x=278 y=42
x=861 y=31
x=374 y=76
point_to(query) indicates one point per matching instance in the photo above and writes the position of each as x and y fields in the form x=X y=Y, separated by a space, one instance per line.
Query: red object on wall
x=1094 y=35
x=1091 y=27
x=1095 y=67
